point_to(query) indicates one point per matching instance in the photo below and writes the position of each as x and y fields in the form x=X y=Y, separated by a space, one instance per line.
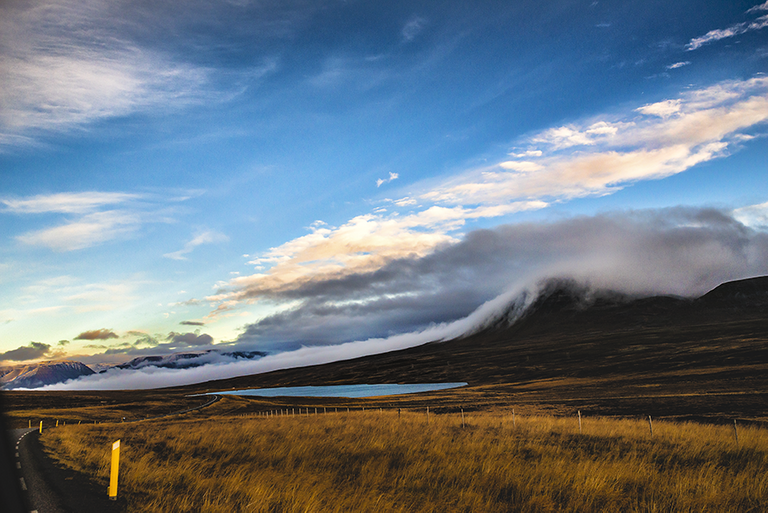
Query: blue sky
x=277 y=174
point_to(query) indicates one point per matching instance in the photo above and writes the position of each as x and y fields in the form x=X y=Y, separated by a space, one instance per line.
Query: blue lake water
x=351 y=391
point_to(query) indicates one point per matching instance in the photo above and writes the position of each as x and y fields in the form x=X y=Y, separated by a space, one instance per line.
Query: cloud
x=381 y=181
x=65 y=203
x=190 y=339
x=412 y=28
x=87 y=223
x=682 y=251
x=755 y=216
x=207 y=237
x=732 y=31
x=90 y=230
x=102 y=334
x=673 y=136
x=63 y=342
x=673 y=251
x=678 y=64
x=159 y=344
x=68 y=63
x=663 y=109
x=192 y=323
x=760 y=7
x=596 y=157
x=32 y=351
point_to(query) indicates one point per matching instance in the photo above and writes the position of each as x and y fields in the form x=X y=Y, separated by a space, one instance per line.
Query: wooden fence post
x=579 y=412
x=462 y=418
x=735 y=432
x=650 y=424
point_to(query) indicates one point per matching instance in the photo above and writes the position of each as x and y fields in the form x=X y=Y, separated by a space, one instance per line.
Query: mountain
x=38 y=375
x=598 y=349
x=188 y=360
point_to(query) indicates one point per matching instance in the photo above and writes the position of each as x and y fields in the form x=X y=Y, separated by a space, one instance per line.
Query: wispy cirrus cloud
x=65 y=203
x=734 y=30
x=89 y=230
x=596 y=157
x=89 y=218
x=207 y=237
x=759 y=7
x=413 y=28
x=67 y=63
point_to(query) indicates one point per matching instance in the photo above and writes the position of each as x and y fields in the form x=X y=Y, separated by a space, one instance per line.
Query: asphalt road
x=50 y=488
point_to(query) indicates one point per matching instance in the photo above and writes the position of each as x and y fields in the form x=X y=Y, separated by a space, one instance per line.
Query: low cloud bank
x=464 y=286
x=680 y=251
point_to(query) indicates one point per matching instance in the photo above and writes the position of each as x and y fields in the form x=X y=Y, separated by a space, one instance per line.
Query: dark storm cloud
x=31 y=352
x=679 y=251
x=102 y=334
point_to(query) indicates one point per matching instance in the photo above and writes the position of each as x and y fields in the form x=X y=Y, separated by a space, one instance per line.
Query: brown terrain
x=598 y=352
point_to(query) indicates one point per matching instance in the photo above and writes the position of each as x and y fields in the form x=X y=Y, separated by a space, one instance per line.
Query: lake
x=350 y=391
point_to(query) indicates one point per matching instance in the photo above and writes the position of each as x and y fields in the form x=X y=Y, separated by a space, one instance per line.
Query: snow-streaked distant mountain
x=36 y=375
x=188 y=360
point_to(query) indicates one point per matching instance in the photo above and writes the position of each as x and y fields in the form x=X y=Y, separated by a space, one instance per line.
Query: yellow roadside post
x=41 y=427
x=112 y=491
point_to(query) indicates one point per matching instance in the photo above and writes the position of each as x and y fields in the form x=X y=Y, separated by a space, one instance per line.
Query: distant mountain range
x=187 y=360
x=37 y=375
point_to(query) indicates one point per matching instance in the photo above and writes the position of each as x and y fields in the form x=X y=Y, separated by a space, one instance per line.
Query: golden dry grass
x=376 y=461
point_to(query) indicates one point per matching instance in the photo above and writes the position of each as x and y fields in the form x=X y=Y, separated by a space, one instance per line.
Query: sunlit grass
x=376 y=461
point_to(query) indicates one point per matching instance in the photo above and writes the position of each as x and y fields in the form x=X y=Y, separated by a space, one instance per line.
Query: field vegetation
x=391 y=461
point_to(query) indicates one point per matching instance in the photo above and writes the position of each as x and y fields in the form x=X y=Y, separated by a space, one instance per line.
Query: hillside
x=37 y=375
x=594 y=349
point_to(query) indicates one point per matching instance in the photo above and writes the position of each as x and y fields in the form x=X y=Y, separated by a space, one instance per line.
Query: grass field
x=385 y=461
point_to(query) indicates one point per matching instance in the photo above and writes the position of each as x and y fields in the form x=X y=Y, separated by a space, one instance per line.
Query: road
x=53 y=489
x=50 y=488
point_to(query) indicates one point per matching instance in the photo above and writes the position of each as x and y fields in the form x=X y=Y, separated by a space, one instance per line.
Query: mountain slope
x=592 y=346
x=40 y=374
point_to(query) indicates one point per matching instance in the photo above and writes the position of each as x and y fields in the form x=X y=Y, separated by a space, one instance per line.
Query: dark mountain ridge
x=576 y=342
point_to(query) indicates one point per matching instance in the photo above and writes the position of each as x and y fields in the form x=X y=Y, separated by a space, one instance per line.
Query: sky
x=328 y=179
